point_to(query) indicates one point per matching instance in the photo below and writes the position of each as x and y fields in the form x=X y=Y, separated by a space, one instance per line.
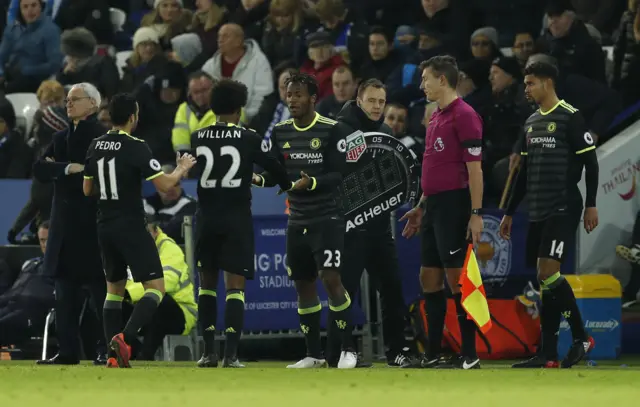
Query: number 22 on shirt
x=228 y=180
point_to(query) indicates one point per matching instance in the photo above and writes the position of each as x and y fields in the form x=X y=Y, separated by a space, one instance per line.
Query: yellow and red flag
x=474 y=298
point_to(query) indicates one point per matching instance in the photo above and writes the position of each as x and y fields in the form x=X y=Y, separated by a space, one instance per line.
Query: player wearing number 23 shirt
x=313 y=148
x=224 y=226
x=115 y=166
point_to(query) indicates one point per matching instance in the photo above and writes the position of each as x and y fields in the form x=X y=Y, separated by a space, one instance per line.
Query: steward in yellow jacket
x=188 y=120
x=178 y=312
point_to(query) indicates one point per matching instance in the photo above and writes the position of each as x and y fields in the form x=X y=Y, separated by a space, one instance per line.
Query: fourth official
x=373 y=247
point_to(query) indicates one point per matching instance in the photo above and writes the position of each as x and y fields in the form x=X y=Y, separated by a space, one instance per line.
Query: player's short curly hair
x=306 y=80
x=542 y=70
x=228 y=97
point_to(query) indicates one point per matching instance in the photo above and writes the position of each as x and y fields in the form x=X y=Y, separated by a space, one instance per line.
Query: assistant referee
x=451 y=202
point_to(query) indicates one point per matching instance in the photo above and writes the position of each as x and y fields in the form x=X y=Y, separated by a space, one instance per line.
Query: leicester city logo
x=493 y=252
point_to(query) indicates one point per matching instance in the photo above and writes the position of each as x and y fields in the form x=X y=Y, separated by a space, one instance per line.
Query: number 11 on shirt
x=113 y=185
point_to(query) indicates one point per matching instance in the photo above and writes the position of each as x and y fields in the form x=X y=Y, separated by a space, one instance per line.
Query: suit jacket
x=72 y=248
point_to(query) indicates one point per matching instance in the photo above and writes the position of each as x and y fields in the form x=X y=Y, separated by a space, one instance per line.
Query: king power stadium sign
x=382 y=175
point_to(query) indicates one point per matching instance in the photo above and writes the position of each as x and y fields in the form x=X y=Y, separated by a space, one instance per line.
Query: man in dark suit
x=72 y=256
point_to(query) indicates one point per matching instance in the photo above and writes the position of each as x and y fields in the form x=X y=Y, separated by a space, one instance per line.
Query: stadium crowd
x=179 y=48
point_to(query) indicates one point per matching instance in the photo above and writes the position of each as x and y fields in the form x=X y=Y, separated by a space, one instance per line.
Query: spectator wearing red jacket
x=322 y=62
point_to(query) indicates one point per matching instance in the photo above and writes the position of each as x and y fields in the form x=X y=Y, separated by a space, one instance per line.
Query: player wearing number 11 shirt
x=224 y=226
x=114 y=168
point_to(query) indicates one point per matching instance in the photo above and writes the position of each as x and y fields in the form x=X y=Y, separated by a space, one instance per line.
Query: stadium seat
x=26 y=105
x=171 y=344
x=121 y=61
x=118 y=18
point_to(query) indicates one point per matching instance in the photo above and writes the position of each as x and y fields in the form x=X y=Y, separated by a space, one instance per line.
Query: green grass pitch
x=267 y=384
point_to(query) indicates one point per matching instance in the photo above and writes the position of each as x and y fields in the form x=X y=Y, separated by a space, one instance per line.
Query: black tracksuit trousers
x=375 y=251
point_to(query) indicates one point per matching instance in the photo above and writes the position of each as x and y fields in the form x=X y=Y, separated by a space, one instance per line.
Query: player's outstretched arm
x=266 y=179
x=267 y=156
x=164 y=182
x=276 y=171
x=335 y=163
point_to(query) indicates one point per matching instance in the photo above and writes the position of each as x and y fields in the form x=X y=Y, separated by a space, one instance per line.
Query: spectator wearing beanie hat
x=168 y=19
x=146 y=60
x=186 y=48
x=82 y=65
x=504 y=119
x=505 y=71
x=484 y=43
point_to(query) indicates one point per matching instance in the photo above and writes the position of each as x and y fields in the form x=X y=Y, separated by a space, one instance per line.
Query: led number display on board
x=382 y=176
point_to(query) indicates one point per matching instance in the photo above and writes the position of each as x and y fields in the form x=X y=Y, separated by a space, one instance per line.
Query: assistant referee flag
x=474 y=298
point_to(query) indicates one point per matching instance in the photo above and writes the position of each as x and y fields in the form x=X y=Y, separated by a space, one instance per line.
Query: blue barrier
x=15 y=194
x=507 y=264
x=271 y=302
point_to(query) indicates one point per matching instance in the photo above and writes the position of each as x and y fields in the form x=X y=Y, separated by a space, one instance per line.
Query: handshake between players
x=303 y=183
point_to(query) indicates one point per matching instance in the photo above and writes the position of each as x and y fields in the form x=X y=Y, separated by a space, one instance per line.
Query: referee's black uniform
x=372 y=247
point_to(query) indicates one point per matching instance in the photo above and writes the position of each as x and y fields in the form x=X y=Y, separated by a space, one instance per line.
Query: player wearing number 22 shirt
x=116 y=164
x=313 y=147
x=226 y=153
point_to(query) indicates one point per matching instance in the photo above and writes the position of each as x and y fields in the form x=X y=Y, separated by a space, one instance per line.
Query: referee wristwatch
x=476 y=212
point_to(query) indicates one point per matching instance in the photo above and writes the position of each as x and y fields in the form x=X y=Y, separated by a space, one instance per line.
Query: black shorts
x=553 y=237
x=444 y=229
x=127 y=242
x=225 y=244
x=313 y=248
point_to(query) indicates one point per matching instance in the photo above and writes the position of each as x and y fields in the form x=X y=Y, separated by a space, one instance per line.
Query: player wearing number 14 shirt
x=114 y=168
x=556 y=147
x=314 y=147
x=224 y=226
